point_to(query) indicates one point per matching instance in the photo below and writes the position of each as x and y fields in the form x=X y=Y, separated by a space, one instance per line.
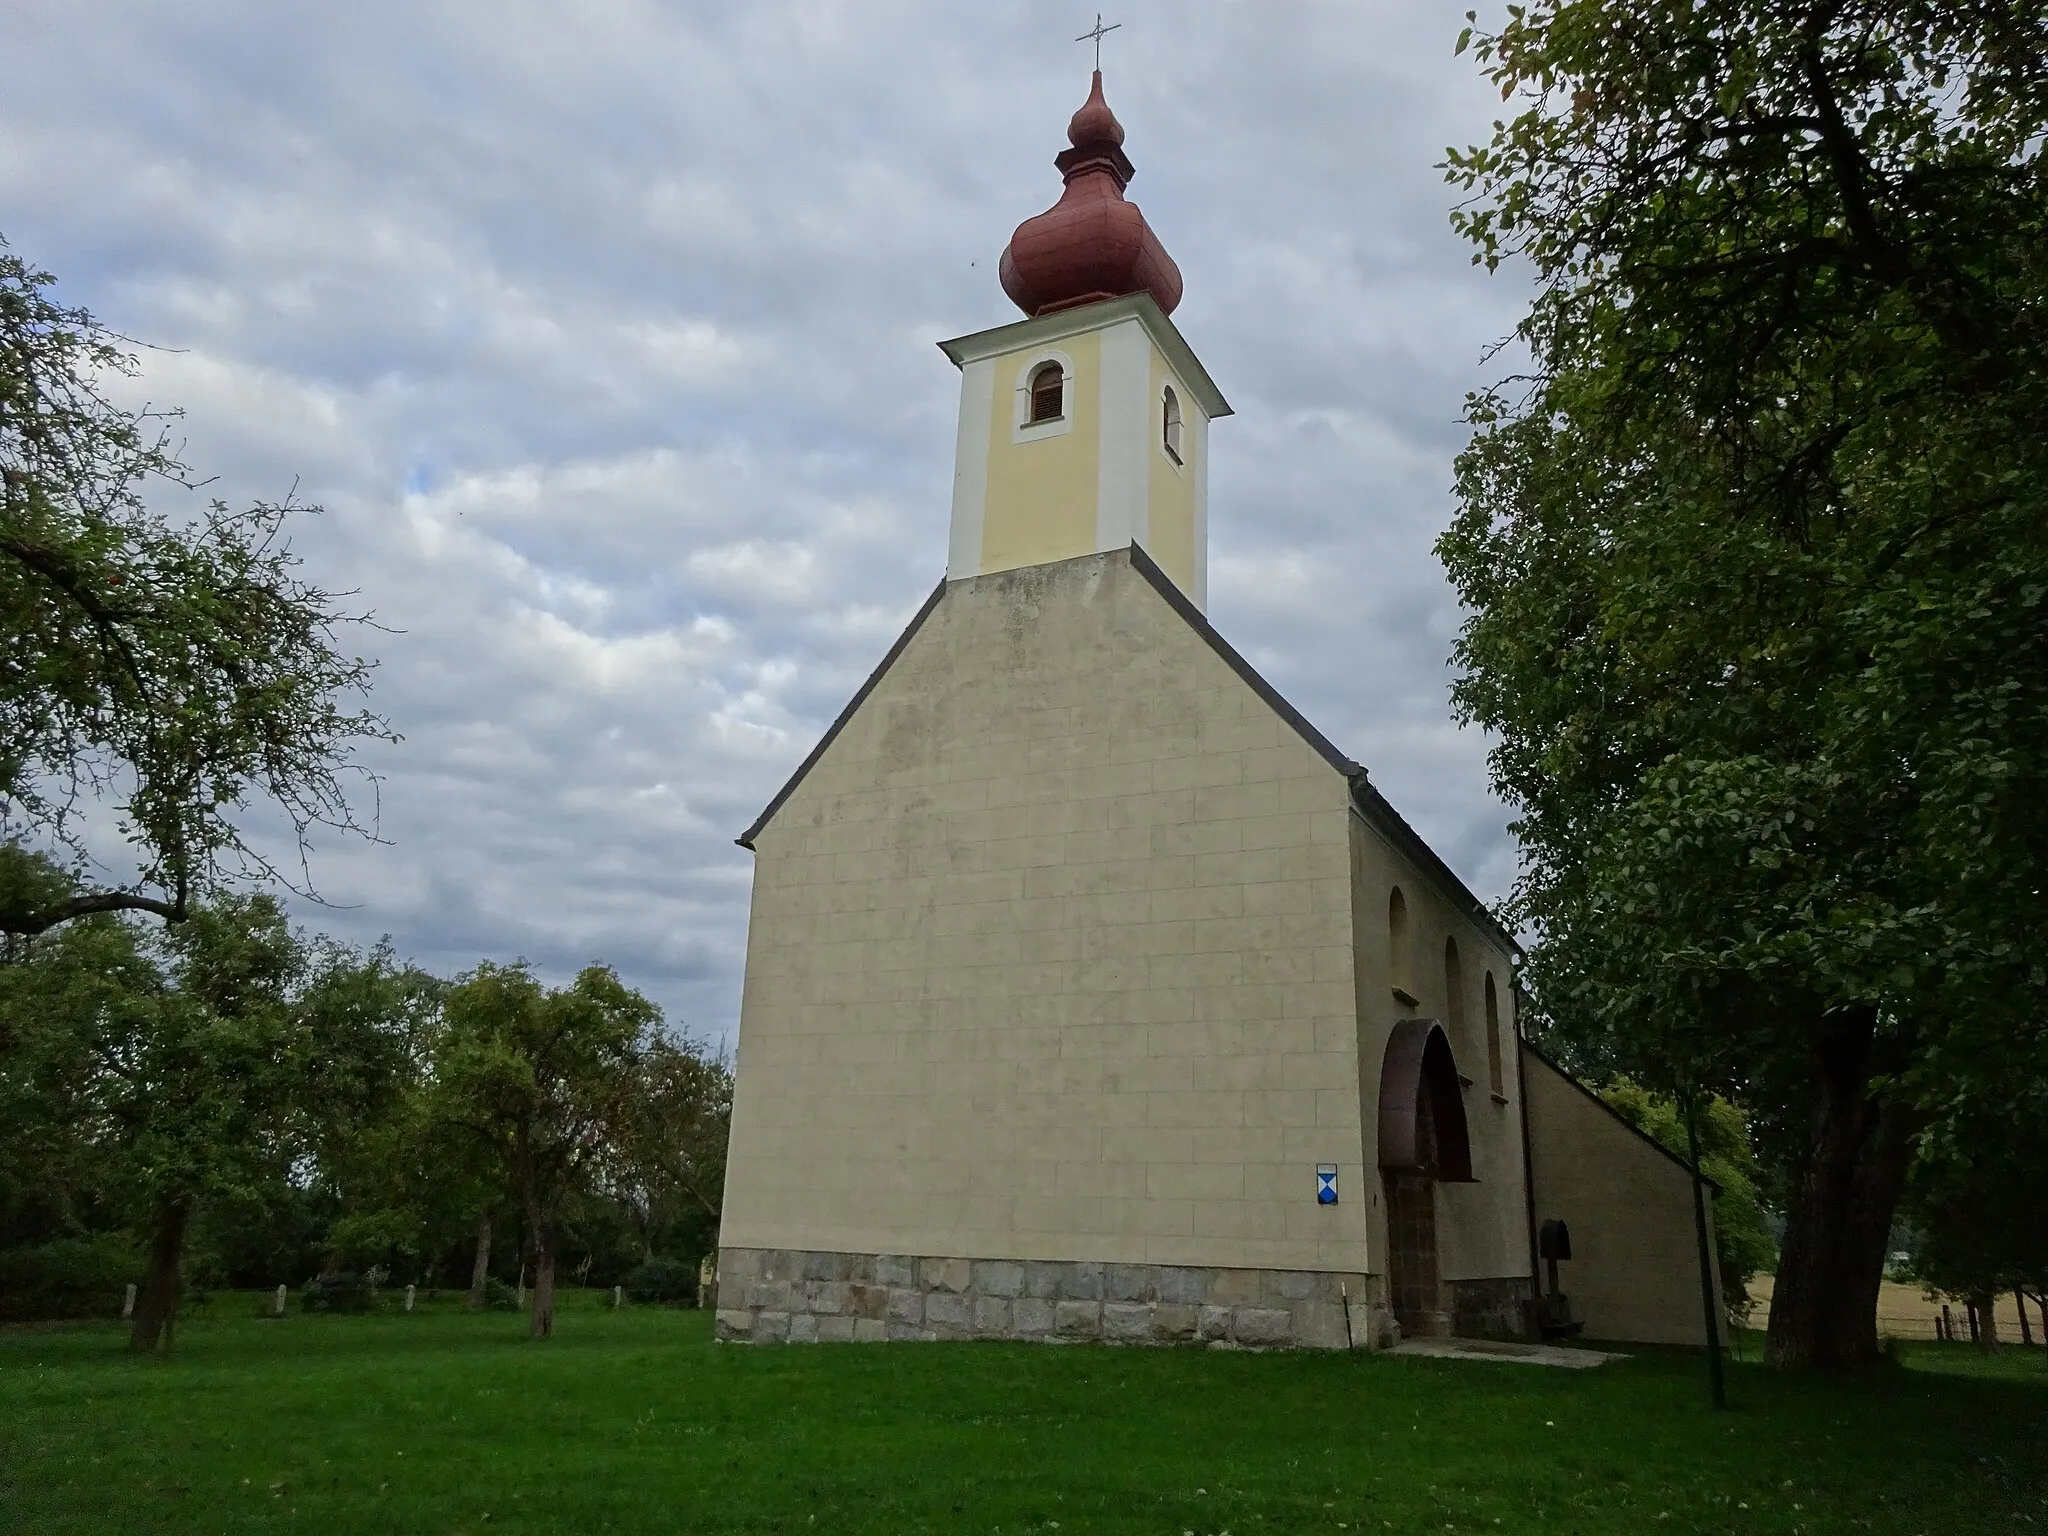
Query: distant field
x=447 y=1423
x=1904 y=1312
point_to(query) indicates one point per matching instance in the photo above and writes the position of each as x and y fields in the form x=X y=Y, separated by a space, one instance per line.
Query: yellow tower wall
x=1099 y=478
x=1042 y=488
x=1173 y=491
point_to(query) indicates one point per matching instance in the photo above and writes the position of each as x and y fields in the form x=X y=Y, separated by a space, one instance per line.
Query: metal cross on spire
x=1098 y=34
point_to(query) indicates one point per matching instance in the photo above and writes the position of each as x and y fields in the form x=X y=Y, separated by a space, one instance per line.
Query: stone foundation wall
x=1491 y=1309
x=785 y=1296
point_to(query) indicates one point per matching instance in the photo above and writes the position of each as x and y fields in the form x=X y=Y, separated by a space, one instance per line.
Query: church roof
x=1365 y=798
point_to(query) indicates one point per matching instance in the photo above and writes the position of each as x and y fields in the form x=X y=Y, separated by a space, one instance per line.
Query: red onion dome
x=1091 y=244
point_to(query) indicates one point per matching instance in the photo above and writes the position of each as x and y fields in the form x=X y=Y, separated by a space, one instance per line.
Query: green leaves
x=1755 y=560
x=541 y=1076
x=174 y=671
x=216 y=1067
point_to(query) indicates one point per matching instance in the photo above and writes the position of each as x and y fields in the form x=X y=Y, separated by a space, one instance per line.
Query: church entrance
x=1423 y=1141
x=1412 y=1284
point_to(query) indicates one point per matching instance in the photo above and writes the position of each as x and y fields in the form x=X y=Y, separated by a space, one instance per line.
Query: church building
x=1091 y=992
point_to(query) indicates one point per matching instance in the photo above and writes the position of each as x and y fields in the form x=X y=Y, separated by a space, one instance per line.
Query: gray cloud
x=604 y=337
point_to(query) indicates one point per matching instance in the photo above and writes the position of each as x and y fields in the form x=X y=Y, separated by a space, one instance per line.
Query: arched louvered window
x=1172 y=428
x=1048 y=393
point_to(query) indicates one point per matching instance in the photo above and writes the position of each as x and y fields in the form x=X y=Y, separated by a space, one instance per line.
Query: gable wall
x=1051 y=955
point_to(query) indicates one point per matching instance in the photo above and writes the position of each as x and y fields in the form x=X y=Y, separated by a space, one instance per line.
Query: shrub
x=662 y=1280
x=340 y=1291
x=71 y=1277
x=500 y=1297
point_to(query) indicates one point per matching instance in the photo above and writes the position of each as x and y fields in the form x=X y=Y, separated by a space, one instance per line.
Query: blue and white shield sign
x=1326 y=1183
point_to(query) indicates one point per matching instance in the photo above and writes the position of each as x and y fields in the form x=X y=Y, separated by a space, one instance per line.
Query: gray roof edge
x=1179 y=601
x=1374 y=807
x=746 y=838
x=1619 y=1118
x=1379 y=813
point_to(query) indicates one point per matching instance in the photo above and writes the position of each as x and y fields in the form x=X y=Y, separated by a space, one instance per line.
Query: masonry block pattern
x=778 y=1296
x=1051 y=952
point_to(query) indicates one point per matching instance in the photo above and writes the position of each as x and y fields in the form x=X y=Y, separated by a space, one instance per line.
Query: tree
x=197 y=1068
x=1756 y=561
x=1978 y=1203
x=59 y=995
x=366 y=1120
x=665 y=1161
x=1742 y=1231
x=206 y=1065
x=541 y=1078
x=180 y=671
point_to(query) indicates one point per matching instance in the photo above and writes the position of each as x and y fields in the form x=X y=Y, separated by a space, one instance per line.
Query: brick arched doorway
x=1423 y=1141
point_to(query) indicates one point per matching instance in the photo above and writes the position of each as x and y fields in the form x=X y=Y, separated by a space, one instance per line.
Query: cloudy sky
x=603 y=333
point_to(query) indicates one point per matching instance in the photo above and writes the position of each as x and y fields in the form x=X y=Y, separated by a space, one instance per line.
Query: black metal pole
x=1699 y=1222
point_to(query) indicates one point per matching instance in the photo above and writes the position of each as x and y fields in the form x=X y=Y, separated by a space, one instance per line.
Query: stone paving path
x=1494 y=1349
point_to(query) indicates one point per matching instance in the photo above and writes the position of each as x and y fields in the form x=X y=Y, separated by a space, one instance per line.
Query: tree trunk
x=1824 y=1303
x=1985 y=1307
x=2019 y=1307
x=156 y=1308
x=542 y=1325
x=480 y=1267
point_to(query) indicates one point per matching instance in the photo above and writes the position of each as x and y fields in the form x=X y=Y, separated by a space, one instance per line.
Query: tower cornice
x=1044 y=330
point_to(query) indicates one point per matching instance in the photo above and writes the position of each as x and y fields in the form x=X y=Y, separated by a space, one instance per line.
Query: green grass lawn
x=444 y=1422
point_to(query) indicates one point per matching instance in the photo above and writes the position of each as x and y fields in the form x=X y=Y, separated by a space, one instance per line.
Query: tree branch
x=1852 y=177
x=41 y=920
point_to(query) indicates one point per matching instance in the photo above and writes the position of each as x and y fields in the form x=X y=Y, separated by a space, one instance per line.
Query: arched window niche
x=1398 y=960
x=1171 y=428
x=1454 y=992
x=1496 y=1077
x=1048 y=394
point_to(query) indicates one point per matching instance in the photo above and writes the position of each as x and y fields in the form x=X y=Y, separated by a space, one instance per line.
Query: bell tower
x=1085 y=426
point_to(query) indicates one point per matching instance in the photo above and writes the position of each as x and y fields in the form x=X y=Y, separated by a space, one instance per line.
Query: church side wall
x=1482 y=1227
x=1634 y=1273
x=1051 y=959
